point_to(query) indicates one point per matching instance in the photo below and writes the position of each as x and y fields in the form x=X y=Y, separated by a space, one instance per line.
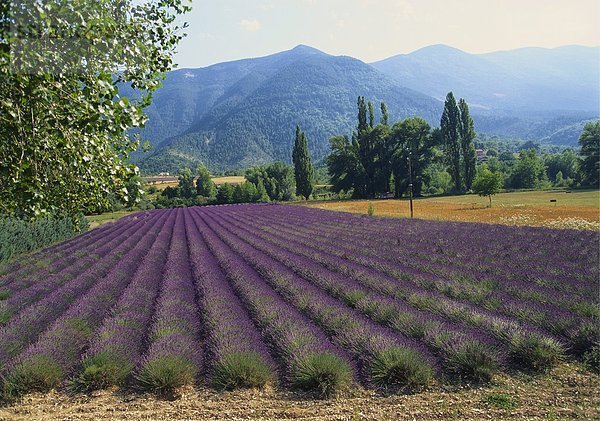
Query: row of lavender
x=242 y=296
x=566 y=307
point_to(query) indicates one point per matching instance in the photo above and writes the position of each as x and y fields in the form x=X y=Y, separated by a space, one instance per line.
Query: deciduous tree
x=204 y=185
x=64 y=121
x=412 y=138
x=186 y=183
x=590 y=150
x=529 y=172
x=487 y=183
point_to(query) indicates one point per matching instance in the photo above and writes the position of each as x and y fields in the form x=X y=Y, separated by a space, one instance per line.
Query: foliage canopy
x=590 y=149
x=63 y=123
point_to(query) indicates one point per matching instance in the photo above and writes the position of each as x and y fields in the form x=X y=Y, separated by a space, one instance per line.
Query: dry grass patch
x=578 y=210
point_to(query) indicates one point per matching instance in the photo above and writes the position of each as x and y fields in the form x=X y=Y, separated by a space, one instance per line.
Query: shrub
x=166 y=374
x=472 y=360
x=36 y=374
x=241 y=370
x=101 y=371
x=400 y=368
x=324 y=374
x=353 y=297
x=536 y=352
x=371 y=209
x=592 y=359
x=585 y=337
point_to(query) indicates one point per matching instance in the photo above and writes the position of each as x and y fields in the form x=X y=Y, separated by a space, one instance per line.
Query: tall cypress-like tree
x=451 y=139
x=371 y=115
x=303 y=169
x=362 y=115
x=466 y=129
x=384 y=114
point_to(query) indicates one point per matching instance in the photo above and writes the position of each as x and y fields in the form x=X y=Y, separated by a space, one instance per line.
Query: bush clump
x=592 y=359
x=38 y=374
x=101 y=371
x=166 y=374
x=472 y=361
x=324 y=374
x=536 y=352
x=241 y=370
x=399 y=368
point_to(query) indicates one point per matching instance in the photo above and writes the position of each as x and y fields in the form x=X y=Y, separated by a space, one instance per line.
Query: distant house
x=163 y=174
x=481 y=155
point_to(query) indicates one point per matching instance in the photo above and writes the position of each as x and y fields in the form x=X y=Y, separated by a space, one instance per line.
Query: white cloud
x=250 y=25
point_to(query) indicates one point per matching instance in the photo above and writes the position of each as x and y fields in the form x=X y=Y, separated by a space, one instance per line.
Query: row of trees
x=375 y=155
x=532 y=172
x=264 y=183
x=457 y=133
x=377 y=158
x=430 y=165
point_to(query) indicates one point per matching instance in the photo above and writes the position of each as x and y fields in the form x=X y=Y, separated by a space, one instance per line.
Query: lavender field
x=247 y=295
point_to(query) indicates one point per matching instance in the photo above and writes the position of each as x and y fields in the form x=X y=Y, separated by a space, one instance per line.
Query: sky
x=371 y=30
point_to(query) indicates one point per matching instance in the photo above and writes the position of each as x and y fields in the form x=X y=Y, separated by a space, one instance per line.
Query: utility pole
x=410 y=183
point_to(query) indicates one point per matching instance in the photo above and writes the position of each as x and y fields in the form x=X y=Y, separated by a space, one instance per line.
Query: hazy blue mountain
x=248 y=111
x=523 y=80
x=241 y=113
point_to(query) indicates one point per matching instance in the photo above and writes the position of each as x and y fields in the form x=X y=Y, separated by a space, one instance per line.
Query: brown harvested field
x=232 y=179
x=162 y=183
x=567 y=392
x=578 y=209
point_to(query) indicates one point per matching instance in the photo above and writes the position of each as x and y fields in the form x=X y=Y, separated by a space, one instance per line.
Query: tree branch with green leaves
x=64 y=122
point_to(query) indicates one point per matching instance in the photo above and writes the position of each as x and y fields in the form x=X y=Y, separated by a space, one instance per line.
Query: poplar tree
x=362 y=115
x=384 y=114
x=467 y=134
x=451 y=139
x=371 y=115
x=303 y=169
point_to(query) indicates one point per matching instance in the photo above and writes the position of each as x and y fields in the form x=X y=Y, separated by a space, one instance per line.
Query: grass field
x=578 y=209
x=99 y=220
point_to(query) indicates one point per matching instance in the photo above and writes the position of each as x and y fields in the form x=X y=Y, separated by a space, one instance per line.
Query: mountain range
x=241 y=113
